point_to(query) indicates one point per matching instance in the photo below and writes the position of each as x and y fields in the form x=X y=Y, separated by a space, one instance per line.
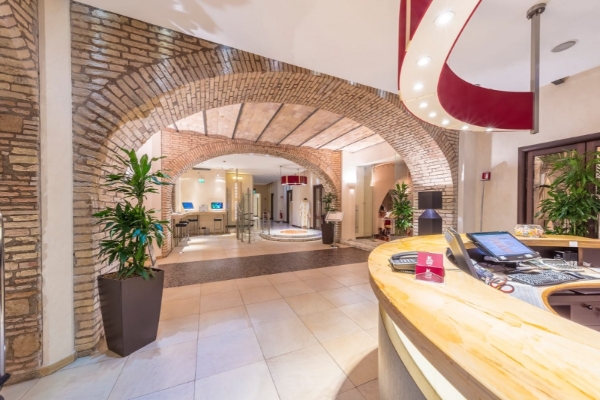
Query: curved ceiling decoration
x=432 y=91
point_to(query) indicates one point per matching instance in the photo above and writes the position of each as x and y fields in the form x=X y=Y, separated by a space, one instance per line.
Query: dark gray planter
x=327 y=233
x=130 y=311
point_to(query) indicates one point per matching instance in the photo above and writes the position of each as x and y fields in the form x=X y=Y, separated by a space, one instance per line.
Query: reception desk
x=465 y=340
x=205 y=218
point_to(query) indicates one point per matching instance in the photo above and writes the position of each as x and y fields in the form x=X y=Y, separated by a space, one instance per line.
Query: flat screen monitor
x=461 y=257
x=502 y=246
x=188 y=205
x=216 y=205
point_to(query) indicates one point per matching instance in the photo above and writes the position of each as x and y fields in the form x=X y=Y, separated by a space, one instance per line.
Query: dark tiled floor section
x=191 y=273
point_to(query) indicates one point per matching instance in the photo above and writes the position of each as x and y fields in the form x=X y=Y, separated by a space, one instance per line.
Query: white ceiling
x=357 y=39
x=264 y=168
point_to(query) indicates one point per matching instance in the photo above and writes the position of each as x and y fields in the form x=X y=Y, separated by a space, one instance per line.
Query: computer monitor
x=463 y=261
x=188 y=205
x=216 y=205
x=502 y=246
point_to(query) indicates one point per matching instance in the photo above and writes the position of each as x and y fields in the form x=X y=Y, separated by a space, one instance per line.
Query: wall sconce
x=351 y=185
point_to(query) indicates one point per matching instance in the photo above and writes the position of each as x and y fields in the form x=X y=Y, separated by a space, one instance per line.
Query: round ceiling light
x=444 y=18
x=564 y=46
x=432 y=114
x=423 y=104
x=423 y=61
x=489 y=129
x=418 y=87
x=465 y=127
x=445 y=121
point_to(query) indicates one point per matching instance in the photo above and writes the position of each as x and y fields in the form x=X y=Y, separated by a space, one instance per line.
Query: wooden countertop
x=487 y=344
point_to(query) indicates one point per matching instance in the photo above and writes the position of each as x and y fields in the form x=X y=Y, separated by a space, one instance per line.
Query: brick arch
x=319 y=162
x=132 y=79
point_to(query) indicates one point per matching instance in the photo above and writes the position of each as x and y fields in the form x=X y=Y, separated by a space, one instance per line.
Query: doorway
x=288 y=205
x=317 y=206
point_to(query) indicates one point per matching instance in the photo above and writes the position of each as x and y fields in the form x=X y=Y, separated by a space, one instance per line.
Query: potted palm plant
x=402 y=209
x=328 y=228
x=572 y=200
x=130 y=296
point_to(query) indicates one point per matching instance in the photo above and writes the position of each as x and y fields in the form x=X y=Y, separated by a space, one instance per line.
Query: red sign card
x=430 y=267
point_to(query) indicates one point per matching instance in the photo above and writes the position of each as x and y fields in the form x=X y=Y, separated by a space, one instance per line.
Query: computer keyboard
x=551 y=264
x=543 y=278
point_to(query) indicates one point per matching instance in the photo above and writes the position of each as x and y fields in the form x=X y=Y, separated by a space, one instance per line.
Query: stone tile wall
x=132 y=79
x=19 y=184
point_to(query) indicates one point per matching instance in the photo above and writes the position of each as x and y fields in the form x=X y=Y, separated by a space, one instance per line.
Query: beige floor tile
x=220 y=353
x=335 y=270
x=259 y=294
x=191 y=257
x=374 y=332
x=310 y=274
x=330 y=324
x=250 y=382
x=293 y=288
x=175 y=331
x=342 y=296
x=220 y=301
x=150 y=371
x=309 y=303
x=350 y=279
x=17 y=391
x=365 y=291
x=181 y=392
x=284 y=336
x=370 y=390
x=181 y=292
x=283 y=277
x=306 y=374
x=356 y=354
x=322 y=284
x=255 y=281
x=353 y=394
x=222 y=321
x=364 y=314
x=218 y=287
x=93 y=382
x=269 y=311
x=179 y=308
x=214 y=255
x=102 y=354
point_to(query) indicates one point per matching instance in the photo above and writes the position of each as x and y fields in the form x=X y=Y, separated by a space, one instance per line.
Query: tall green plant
x=132 y=229
x=402 y=209
x=329 y=200
x=572 y=199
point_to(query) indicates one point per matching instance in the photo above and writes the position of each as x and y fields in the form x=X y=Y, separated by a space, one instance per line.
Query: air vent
x=560 y=81
x=564 y=46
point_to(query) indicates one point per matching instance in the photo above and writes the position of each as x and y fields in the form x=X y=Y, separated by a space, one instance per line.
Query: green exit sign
x=201 y=180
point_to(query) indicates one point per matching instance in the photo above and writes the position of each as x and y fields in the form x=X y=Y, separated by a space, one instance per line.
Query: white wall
x=379 y=153
x=191 y=190
x=56 y=140
x=566 y=111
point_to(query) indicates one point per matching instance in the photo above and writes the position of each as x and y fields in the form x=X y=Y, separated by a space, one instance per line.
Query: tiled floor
x=297 y=335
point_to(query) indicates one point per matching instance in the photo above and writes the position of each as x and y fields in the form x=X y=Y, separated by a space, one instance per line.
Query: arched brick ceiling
x=282 y=123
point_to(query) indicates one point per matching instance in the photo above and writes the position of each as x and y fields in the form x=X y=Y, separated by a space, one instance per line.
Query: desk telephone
x=404 y=262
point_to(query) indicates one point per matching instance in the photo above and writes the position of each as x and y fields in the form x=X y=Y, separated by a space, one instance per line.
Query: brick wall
x=19 y=188
x=185 y=149
x=132 y=79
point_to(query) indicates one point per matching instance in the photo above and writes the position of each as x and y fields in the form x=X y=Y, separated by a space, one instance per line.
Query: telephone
x=404 y=262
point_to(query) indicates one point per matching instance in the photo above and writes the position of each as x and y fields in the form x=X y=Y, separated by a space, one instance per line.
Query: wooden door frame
x=523 y=172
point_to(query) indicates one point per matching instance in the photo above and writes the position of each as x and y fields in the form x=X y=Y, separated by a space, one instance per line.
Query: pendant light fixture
x=293 y=180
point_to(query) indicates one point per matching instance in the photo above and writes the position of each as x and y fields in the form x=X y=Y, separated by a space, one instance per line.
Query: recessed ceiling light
x=423 y=61
x=465 y=127
x=418 y=86
x=564 y=46
x=489 y=129
x=432 y=114
x=445 y=121
x=423 y=104
x=444 y=18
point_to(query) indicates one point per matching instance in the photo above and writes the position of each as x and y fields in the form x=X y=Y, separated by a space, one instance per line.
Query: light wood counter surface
x=487 y=344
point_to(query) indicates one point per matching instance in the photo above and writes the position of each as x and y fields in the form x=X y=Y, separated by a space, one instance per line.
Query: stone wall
x=132 y=79
x=19 y=185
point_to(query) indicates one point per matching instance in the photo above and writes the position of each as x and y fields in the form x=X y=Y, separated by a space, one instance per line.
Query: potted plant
x=572 y=200
x=402 y=209
x=328 y=228
x=130 y=297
